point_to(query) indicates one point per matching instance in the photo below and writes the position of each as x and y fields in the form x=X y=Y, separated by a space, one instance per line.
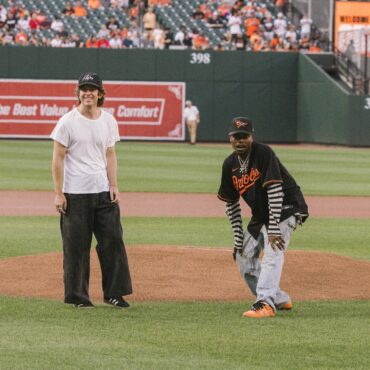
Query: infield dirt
x=172 y=273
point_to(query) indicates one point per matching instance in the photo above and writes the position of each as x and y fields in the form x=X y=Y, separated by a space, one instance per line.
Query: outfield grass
x=40 y=334
x=179 y=167
x=348 y=237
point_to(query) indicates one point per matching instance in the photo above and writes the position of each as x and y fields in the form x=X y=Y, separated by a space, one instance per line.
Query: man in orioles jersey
x=254 y=173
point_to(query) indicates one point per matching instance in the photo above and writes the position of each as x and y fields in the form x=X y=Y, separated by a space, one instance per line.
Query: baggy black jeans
x=89 y=214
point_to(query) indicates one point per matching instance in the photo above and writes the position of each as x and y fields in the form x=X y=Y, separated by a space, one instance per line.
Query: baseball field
x=186 y=310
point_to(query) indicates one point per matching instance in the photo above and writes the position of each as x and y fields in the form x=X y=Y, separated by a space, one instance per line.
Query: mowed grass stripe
x=43 y=334
x=32 y=235
x=179 y=167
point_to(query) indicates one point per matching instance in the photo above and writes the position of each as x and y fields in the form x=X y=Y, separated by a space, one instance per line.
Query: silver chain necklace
x=244 y=164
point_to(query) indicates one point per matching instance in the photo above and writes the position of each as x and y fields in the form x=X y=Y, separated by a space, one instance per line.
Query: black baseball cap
x=90 y=78
x=241 y=125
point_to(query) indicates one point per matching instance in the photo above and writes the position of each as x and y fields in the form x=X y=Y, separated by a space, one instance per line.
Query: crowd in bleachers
x=206 y=24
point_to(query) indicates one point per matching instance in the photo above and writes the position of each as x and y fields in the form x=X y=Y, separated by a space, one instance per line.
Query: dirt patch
x=38 y=203
x=192 y=274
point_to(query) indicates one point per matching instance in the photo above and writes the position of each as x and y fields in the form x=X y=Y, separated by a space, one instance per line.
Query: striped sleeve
x=233 y=212
x=275 y=202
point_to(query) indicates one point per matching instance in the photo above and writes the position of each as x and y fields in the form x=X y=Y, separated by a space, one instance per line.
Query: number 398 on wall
x=200 y=58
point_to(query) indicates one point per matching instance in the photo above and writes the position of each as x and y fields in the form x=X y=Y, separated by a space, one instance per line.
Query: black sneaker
x=116 y=301
x=84 y=305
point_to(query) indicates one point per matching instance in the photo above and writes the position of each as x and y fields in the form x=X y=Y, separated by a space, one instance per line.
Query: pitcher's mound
x=172 y=273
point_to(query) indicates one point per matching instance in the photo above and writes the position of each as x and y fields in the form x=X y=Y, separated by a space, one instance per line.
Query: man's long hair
x=100 y=100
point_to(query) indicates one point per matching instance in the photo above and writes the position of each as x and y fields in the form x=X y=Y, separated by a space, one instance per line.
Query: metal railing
x=351 y=74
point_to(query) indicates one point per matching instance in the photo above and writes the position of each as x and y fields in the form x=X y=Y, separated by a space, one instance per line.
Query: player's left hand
x=276 y=242
x=114 y=194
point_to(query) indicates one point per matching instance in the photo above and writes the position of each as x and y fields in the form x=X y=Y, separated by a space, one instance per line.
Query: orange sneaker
x=284 y=306
x=259 y=310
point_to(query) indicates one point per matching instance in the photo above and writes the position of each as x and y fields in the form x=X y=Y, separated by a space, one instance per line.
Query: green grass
x=179 y=167
x=40 y=334
x=33 y=235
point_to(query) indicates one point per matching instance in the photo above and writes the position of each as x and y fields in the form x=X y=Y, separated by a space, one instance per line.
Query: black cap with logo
x=241 y=125
x=90 y=78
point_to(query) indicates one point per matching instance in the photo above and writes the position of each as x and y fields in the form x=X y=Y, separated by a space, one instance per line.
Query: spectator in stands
x=200 y=42
x=56 y=42
x=280 y=6
x=280 y=25
x=76 y=41
x=33 y=22
x=115 y=41
x=251 y=24
x=8 y=38
x=103 y=43
x=268 y=25
x=42 y=19
x=91 y=42
x=179 y=36
x=198 y=14
x=207 y=12
x=127 y=42
x=21 y=38
x=274 y=42
x=34 y=40
x=103 y=32
x=291 y=34
x=168 y=38
x=79 y=10
x=159 y=2
x=119 y=4
x=315 y=47
x=305 y=24
x=11 y=21
x=112 y=24
x=227 y=42
x=149 y=22
x=234 y=23
x=158 y=37
x=146 y=41
x=105 y=4
x=219 y=47
x=23 y=22
x=304 y=43
x=94 y=4
x=240 y=42
x=215 y=21
x=68 y=9
x=256 y=41
x=224 y=9
x=3 y=14
x=57 y=25
x=350 y=51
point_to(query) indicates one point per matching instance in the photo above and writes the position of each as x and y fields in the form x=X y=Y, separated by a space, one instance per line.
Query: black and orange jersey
x=264 y=169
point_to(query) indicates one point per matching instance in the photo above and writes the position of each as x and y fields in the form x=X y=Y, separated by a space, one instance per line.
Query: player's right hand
x=60 y=202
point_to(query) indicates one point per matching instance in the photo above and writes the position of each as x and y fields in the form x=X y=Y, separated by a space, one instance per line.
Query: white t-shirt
x=87 y=140
x=234 y=24
x=191 y=114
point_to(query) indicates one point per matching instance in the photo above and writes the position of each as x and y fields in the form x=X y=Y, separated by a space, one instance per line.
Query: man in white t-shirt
x=192 y=119
x=84 y=171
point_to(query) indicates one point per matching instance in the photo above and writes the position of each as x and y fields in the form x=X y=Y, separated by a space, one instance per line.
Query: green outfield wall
x=289 y=97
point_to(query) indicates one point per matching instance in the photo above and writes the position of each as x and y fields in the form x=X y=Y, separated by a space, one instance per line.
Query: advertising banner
x=143 y=110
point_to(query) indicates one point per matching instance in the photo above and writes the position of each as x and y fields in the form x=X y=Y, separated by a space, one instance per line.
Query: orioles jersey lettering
x=246 y=181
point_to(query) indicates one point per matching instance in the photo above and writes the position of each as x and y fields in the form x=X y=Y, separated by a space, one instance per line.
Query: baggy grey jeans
x=263 y=277
x=89 y=214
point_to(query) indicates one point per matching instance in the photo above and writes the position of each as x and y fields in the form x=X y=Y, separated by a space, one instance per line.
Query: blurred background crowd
x=156 y=24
